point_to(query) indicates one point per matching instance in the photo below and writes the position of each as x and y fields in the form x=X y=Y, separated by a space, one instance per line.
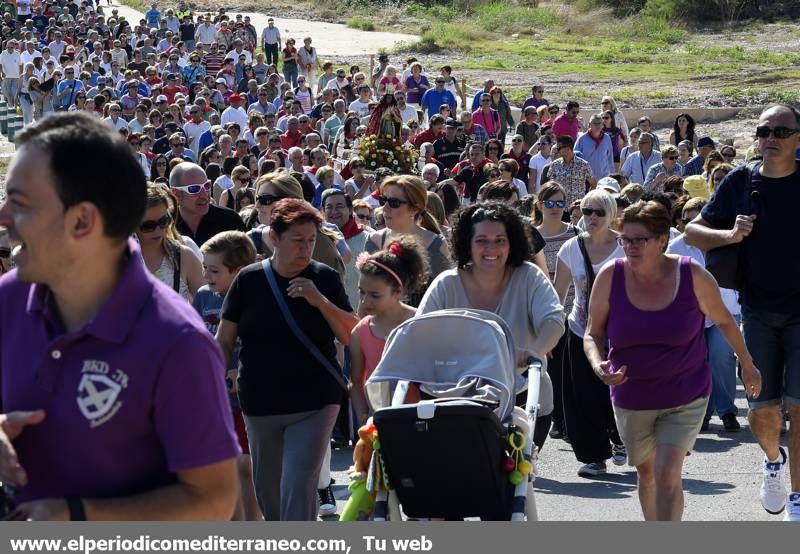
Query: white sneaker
x=592 y=469
x=773 y=489
x=619 y=456
x=792 y=507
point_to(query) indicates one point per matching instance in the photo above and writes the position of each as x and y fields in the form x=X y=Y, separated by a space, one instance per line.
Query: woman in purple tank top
x=649 y=308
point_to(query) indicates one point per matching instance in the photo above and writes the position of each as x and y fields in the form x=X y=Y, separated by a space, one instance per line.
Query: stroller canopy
x=457 y=353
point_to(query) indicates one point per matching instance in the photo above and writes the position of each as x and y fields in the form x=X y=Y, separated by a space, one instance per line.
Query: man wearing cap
x=271 y=41
x=105 y=342
x=171 y=88
x=234 y=113
x=608 y=184
x=177 y=148
x=434 y=98
x=695 y=166
x=197 y=218
x=473 y=132
x=448 y=149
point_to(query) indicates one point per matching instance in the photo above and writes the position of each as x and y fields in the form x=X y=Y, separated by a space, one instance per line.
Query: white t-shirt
x=237 y=115
x=730 y=297
x=409 y=113
x=521 y=187
x=234 y=55
x=193 y=131
x=361 y=108
x=10 y=62
x=538 y=162
x=570 y=254
x=23 y=7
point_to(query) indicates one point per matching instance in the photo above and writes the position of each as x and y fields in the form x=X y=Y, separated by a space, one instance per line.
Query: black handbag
x=725 y=262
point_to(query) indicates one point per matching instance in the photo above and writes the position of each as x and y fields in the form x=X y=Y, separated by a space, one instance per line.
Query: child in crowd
x=224 y=255
x=386 y=277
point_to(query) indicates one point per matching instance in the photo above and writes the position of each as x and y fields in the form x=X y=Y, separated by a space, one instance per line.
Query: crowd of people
x=208 y=216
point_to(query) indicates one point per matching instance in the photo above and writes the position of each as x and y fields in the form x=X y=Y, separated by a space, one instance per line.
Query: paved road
x=721 y=481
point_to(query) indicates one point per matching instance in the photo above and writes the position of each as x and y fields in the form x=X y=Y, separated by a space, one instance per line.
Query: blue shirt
x=694 y=166
x=318 y=190
x=433 y=100
x=600 y=156
x=153 y=17
x=69 y=97
x=191 y=73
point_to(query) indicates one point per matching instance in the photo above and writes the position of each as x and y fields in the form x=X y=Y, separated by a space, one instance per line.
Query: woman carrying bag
x=287 y=311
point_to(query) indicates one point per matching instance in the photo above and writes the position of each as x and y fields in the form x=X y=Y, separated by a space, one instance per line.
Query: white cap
x=608 y=183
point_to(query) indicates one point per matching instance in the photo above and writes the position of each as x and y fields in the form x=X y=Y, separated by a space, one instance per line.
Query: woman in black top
x=289 y=397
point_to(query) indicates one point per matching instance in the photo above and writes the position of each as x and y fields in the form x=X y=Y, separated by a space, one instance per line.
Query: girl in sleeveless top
x=164 y=255
x=386 y=276
x=649 y=308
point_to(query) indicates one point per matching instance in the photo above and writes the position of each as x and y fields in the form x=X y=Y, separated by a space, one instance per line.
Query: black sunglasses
x=673 y=158
x=362 y=217
x=391 y=201
x=589 y=211
x=267 y=199
x=779 y=132
x=149 y=226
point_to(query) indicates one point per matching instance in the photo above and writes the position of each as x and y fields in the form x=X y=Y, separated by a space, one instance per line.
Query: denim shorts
x=773 y=340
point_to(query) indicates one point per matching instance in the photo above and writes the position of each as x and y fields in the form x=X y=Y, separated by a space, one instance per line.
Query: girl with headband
x=387 y=276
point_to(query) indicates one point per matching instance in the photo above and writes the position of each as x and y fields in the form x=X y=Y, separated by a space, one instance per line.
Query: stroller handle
x=534 y=384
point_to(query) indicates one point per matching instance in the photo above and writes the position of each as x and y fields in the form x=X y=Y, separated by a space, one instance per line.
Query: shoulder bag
x=302 y=337
x=725 y=262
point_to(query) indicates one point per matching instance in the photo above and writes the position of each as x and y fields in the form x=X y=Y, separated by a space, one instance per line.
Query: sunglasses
x=729 y=155
x=552 y=111
x=516 y=140
x=779 y=132
x=267 y=199
x=391 y=201
x=195 y=189
x=244 y=179
x=589 y=211
x=362 y=217
x=550 y=204
x=673 y=158
x=149 y=225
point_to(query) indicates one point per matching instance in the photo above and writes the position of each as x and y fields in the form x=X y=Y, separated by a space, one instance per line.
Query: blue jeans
x=722 y=361
x=290 y=74
x=773 y=340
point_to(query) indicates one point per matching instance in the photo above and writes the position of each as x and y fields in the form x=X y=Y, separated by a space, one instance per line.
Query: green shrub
x=360 y=22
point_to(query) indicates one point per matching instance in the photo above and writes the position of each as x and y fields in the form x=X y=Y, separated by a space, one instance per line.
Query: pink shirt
x=562 y=125
x=489 y=121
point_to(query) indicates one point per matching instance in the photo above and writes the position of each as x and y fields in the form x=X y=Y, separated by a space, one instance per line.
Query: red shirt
x=426 y=136
x=289 y=139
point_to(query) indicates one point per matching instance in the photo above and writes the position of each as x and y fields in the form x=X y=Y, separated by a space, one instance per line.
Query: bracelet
x=77 y=511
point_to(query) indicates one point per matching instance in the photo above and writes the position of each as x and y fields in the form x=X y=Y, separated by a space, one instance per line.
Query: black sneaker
x=327 y=502
x=557 y=433
x=706 y=424
x=730 y=423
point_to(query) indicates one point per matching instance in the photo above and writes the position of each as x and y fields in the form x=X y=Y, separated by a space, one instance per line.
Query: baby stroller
x=452 y=457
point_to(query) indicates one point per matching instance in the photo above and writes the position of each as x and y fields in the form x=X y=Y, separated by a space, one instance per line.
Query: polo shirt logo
x=98 y=393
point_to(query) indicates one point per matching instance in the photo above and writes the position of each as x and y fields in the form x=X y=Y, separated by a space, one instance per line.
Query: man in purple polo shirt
x=113 y=400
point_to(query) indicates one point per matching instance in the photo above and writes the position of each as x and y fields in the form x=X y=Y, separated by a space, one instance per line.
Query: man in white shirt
x=10 y=72
x=114 y=118
x=408 y=113
x=173 y=23
x=206 y=34
x=271 y=41
x=361 y=104
x=235 y=113
x=195 y=127
x=57 y=46
x=29 y=53
x=238 y=50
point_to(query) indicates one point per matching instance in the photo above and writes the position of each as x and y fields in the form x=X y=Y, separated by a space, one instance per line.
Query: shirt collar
x=118 y=315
